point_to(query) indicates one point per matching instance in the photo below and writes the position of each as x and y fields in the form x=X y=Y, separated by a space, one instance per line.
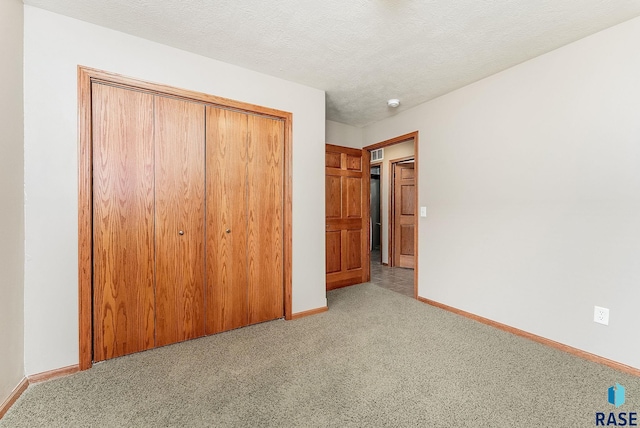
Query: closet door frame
x=86 y=77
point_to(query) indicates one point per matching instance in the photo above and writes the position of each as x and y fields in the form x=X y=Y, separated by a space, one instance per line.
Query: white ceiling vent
x=377 y=155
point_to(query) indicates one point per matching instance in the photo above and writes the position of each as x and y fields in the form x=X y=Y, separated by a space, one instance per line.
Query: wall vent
x=377 y=155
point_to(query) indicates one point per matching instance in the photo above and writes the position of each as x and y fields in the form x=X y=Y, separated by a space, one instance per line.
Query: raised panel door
x=404 y=215
x=346 y=216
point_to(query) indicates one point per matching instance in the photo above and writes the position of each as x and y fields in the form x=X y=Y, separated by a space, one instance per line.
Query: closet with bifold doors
x=187 y=219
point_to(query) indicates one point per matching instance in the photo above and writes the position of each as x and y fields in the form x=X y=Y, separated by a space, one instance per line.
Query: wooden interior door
x=184 y=215
x=347 y=216
x=264 y=207
x=404 y=206
x=227 y=268
x=245 y=202
x=179 y=219
x=123 y=221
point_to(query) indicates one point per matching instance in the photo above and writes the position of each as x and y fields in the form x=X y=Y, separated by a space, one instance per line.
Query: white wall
x=54 y=46
x=394 y=152
x=531 y=180
x=12 y=197
x=340 y=134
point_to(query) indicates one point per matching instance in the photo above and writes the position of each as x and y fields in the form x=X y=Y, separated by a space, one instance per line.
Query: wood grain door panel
x=333 y=159
x=265 y=221
x=354 y=162
x=333 y=196
x=404 y=206
x=123 y=222
x=226 y=232
x=352 y=198
x=354 y=249
x=244 y=219
x=406 y=239
x=408 y=172
x=346 y=216
x=407 y=199
x=334 y=253
x=179 y=195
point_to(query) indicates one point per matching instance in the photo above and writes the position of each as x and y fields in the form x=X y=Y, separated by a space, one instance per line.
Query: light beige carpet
x=376 y=359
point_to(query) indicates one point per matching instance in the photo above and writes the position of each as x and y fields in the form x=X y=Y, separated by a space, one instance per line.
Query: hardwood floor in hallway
x=395 y=279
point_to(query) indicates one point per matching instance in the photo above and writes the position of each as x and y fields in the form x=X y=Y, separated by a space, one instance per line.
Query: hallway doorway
x=393 y=217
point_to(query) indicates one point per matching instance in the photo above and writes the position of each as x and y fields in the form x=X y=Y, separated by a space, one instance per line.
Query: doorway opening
x=402 y=213
x=393 y=221
x=375 y=210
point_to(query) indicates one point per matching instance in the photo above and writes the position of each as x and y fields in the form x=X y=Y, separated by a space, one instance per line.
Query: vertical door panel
x=406 y=239
x=333 y=196
x=353 y=197
x=334 y=254
x=123 y=249
x=226 y=260
x=404 y=215
x=347 y=216
x=354 y=249
x=179 y=175
x=265 y=222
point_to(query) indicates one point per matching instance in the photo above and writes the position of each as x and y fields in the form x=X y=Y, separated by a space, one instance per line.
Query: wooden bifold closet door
x=244 y=247
x=180 y=210
x=187 y=220
x=226 y=229
x=123 y=222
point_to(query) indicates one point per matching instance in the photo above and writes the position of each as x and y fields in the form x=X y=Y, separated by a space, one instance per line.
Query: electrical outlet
x=601 y=315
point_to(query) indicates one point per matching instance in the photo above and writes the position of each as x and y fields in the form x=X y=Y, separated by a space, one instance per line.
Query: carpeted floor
x=376 y=359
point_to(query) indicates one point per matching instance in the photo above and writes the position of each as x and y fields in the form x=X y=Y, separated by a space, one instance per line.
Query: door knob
x=181 y=232
x=228 y=230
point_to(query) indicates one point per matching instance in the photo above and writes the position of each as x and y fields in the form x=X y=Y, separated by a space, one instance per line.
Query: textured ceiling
x=361 y=52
